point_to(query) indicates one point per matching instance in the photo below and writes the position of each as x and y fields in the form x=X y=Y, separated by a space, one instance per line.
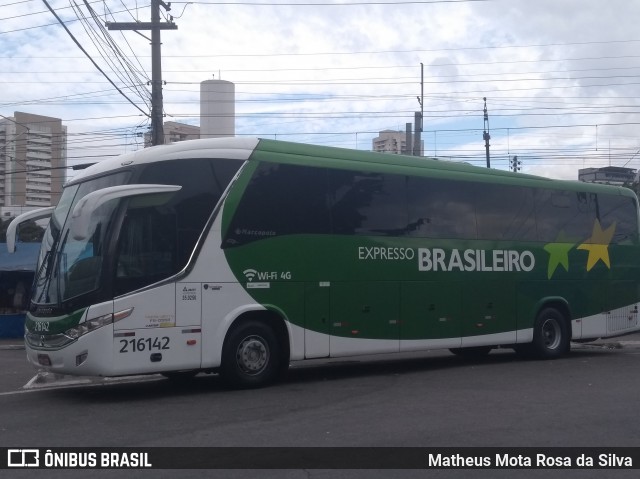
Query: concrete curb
x=603 y=344
x=44 y=380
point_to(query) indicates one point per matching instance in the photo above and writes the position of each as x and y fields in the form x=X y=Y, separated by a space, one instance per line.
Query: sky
x=561 y=78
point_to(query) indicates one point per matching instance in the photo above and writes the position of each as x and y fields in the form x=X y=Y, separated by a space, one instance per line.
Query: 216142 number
x=143 y=344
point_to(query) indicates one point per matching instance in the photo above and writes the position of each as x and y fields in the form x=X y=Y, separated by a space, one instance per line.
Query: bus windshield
x=68 y=267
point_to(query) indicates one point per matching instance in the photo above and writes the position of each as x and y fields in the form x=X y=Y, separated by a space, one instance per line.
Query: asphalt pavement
x=11 y=343
x=17 y=373
x=629 y=340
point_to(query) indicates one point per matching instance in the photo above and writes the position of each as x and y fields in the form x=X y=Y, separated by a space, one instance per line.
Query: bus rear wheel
x=250 y=356
x=551 y=334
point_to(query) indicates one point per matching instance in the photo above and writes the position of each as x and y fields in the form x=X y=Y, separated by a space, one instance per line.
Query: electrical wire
x=89 y=57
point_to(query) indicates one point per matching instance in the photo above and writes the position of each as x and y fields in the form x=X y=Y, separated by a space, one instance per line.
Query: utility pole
x=515 y=164
x=486 y=136
x=157 y=132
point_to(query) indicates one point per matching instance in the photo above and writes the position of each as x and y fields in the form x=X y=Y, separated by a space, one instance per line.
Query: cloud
x=559 y=77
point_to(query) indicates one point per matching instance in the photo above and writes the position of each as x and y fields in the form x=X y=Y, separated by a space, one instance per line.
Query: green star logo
x=558 y=253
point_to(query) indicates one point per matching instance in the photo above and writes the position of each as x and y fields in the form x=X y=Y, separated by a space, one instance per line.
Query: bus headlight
x=90 y=325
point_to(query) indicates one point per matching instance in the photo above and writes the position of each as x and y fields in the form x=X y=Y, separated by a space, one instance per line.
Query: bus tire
x=250 y=356
x=472 y=353
x=551 y=334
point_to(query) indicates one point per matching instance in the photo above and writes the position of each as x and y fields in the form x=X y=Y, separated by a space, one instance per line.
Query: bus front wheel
x=250 y=356
x=551 y=334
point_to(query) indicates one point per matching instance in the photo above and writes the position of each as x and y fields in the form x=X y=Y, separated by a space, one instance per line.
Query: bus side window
x=622 y=211
x=505 y=212
x=157 y=240
x=146 y=249
x=570 y=212
x=281 y=200
x=441 y=208
x=367 y=203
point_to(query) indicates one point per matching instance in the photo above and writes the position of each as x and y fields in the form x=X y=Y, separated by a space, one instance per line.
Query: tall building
x=608 y=175
x=217 y=109
x=33 y=155
x=391 y=141
x=174 y=132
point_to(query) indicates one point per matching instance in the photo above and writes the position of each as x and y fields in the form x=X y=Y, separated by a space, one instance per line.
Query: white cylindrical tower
x=217 y=109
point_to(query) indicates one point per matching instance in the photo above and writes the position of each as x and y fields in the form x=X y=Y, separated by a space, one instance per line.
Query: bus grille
x=53 y=341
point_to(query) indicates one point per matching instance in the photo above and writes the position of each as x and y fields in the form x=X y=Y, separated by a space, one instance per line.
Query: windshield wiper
x=60 y=255
x=42 y=283
x=45 y=272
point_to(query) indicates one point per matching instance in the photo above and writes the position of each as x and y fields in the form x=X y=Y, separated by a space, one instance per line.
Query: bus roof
x=228 y=147
x=325 y=156
x=344 y=158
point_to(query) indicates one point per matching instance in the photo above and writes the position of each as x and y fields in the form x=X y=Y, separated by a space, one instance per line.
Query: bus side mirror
x=12 y=229
x=81 y=215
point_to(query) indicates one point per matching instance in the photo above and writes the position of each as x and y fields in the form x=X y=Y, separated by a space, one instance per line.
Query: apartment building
x=33 y=158
x=174 y=132
x=391 y=141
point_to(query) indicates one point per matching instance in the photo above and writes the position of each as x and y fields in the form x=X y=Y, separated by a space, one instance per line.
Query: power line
x=24 y=29
x=89 y=56
x=351 y=68
x=373 y=80
x=155 y=26
x=119 y=64
x=19 y=2
x=325 y=4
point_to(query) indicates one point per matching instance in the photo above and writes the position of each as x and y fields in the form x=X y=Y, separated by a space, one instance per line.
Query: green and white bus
x=243 y=255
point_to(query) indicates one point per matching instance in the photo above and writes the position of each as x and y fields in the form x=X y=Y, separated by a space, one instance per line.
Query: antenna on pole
x=485 y=135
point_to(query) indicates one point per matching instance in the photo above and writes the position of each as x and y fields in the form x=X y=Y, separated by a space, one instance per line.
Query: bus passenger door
x=365 y=317
x=317 y=315
x=188 y=304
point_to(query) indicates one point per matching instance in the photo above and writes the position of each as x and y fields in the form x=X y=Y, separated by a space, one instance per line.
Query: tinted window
x=620 y=210
x=572 y=213
x=441 y=208
x=290 y=199
x=223 y=172
x=368 y=203
x=147 y=249
x=281 y=200
x=505 y=212
x=159 y=232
